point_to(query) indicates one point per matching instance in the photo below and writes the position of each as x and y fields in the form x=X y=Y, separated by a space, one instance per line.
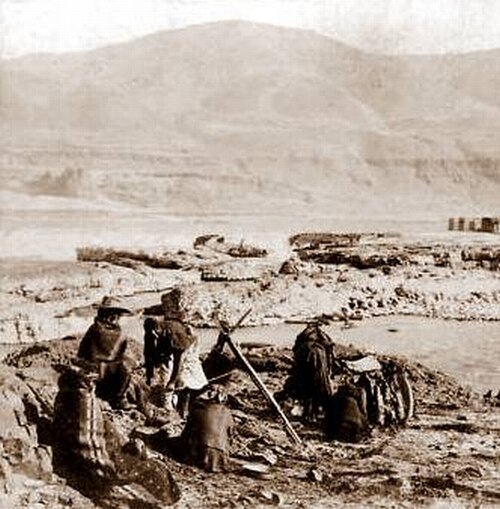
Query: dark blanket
x=104 y=346
x=102 y=342
x=206 y=436
x=344 y=419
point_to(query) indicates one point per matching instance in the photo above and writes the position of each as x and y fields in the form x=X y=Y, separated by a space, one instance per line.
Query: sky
x=384 y=26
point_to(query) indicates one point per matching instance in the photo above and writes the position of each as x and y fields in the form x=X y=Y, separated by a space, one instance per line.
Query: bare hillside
x=234 y=115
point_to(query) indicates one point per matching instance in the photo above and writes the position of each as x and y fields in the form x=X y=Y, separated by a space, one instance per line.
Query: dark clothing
x=102 y=342
x=114 y=382
x=309 y=380
x=79 y=431
x=218 y=361
x=153 y=357
x=344 y=419
x=164 y=339
x=206 y=435
x=177 y=333
x=87 y=453
x=104 y=346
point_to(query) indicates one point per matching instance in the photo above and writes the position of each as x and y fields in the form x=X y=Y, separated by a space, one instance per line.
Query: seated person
x=344 y=419
x=104 y=346
x=205 y=438
x=87 y=451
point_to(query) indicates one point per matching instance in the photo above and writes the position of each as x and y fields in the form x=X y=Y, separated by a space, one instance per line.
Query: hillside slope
x=236 y=115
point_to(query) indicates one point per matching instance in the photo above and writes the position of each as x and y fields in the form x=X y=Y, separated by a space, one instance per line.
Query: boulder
x=22 y=414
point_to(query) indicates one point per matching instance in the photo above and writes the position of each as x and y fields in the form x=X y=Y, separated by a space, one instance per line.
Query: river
x=469 y=351
x=55 y=234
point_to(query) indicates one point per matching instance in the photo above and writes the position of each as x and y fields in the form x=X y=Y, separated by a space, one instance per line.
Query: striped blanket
x=79 y=432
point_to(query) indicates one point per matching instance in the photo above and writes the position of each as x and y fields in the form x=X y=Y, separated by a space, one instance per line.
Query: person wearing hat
x=170 y=342
x=104 y=346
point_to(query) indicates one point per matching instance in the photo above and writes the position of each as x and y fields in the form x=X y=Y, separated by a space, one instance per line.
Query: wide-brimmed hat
x=113 y=305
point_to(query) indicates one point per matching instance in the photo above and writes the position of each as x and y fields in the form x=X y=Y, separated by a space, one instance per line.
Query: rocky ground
x=447 y=456
x=434 y=277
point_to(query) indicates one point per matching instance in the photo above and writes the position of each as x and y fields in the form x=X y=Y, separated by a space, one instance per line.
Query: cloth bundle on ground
x=87 y=453
x=220 y=361
x=381 y=397
x=206 y=436
x=344 y=419
x=388 y=394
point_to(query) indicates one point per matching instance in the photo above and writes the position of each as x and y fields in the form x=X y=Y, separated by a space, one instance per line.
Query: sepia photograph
x=250 y=254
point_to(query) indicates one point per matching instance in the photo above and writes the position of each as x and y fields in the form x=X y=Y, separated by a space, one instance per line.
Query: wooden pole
x=263 y=389
x=240 y=321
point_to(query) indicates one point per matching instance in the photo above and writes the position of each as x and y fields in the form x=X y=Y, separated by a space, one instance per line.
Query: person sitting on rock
x=104 y=346
x=79 y=449
x=170 y=343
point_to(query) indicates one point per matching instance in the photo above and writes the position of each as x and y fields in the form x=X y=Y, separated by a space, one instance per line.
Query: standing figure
x=104 y=346
x=157 y=349
x=309 y=380
x=170 y=343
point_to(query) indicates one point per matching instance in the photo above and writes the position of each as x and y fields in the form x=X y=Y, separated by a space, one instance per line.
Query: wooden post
x=263 y=389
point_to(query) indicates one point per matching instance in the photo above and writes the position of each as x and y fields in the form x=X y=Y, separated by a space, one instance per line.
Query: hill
x=235 y=116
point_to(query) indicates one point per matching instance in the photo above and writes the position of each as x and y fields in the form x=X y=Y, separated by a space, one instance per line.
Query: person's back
x=311 y=372
x=344 y=419
x=87 y=450
x=79 y=451
x=206 y=435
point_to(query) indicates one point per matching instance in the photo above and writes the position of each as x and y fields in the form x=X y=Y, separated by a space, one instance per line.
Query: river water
x=469 y=351
x=55 y=234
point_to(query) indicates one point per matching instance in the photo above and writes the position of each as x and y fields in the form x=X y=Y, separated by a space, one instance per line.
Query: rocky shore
x=376 y=277
x=447 y=453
